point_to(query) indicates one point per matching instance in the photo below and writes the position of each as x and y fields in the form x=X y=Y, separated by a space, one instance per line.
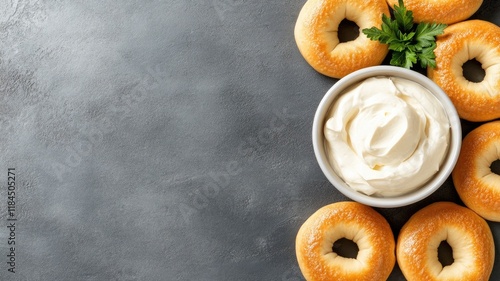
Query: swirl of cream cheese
x=386 y=136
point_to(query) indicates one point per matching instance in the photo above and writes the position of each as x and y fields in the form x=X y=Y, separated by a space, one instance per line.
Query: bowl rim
x=413 y=196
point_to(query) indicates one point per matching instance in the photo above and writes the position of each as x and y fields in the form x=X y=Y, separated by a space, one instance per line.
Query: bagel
x=316 y=35
x=354 y=221
x=476 y=184
x=447 y=11
x=461 y=42
x=467 y=233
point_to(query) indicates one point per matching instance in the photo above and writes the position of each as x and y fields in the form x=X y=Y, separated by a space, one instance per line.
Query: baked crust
x=473 y=39
x=442 y=11
x=316 y=35
x=350 y=220
x=467 y=233
x=476 y=184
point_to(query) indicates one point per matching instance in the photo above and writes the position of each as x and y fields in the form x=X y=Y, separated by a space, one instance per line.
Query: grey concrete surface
x=161 y=140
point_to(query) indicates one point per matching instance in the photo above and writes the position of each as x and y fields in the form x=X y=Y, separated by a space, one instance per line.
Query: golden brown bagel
x=316 y=35
x=442 y=11
x=476 y=184
x=467 y=233
x=461 y=42
x=353 y=221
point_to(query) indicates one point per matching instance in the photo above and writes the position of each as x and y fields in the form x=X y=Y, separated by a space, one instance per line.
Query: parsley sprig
x=408 y=42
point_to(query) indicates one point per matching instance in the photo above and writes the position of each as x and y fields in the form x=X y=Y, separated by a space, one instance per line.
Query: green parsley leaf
x=427 y=57
x=376 y=34
x=403 y=18
x=398 y=58
x=426 y=32
x=405 y=59
x=408 y=42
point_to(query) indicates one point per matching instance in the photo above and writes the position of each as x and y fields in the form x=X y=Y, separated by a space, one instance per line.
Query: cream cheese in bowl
x=386 y=136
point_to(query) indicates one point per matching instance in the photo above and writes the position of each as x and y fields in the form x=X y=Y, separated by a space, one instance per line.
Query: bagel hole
x=345 y=248
x=348 y=31
x=473 y=71
x=445 y=253
x=495 y=167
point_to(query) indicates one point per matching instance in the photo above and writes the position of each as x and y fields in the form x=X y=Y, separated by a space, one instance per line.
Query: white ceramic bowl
x=386 y=202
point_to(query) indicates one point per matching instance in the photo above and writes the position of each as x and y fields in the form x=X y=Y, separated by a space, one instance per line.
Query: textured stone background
x=162 y=140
